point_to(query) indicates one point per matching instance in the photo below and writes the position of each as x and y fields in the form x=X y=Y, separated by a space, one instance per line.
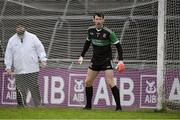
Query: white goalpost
x=168 y=81
x=160 y=53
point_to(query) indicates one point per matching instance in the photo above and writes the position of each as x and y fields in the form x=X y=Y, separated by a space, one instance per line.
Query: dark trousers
x=25 y=83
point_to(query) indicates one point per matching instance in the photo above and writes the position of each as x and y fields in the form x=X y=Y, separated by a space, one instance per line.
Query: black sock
x=20 y=101
x=89 y=94
x=115 y=92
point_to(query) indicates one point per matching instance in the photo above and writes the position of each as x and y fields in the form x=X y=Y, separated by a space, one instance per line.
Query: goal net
x=172 y=55
x=61 y=25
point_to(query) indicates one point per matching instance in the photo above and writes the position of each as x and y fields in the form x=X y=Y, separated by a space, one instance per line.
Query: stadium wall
x=65 y=88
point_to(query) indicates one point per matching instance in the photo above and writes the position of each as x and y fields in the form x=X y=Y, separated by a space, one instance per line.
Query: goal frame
x=160 y=52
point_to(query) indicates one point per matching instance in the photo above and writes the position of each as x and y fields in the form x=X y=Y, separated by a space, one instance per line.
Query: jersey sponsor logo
x=97 y=34
x=91 y=33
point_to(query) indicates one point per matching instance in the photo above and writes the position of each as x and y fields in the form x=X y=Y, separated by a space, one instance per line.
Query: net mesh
x=172 y=55
x=61 y=25
x=59 y=21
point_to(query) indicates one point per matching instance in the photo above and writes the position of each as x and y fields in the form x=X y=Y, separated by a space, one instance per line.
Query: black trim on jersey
x=120 y=51
x=85 y=48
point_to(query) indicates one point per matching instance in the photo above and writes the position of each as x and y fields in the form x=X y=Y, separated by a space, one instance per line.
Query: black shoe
x=118 y=109
x=86 y=108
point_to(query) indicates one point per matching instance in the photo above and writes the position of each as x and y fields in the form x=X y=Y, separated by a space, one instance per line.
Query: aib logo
x=78 y=87
x=148 y=91
x=8 y=89
x=150 y=88
x=11 y=87
x=78 y=91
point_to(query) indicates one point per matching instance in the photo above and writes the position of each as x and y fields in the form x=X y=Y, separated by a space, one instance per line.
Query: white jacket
x=24 y=56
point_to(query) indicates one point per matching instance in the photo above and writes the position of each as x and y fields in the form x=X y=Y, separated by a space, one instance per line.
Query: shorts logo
x=91 y=64
x=108 y=67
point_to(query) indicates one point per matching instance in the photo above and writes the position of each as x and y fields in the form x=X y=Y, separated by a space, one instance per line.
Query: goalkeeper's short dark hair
x=99 y=14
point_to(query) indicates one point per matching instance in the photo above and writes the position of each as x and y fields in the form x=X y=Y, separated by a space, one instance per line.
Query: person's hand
x=120 y=66
x=8 y=71
x=80 y=60
x=43 y=64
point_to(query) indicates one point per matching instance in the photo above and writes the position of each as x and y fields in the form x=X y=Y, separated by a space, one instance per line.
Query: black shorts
x=101 y=67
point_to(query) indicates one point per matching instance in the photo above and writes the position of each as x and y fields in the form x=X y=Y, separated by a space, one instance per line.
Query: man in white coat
x=23 y=53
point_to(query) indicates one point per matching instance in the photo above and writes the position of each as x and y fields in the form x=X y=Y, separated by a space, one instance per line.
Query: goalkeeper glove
x=120 y=66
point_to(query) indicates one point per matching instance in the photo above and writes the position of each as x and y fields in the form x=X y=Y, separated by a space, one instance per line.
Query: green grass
x=78 y=113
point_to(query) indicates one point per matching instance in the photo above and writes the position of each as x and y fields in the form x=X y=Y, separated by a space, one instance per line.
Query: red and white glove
x=80 y=60
x=120 y=66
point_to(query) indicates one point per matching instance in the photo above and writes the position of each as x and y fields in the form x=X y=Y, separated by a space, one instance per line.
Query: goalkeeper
x=22 y=53
x=101 y=39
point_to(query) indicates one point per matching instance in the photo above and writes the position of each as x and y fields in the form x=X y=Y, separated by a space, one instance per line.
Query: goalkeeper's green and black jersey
x=101 y=41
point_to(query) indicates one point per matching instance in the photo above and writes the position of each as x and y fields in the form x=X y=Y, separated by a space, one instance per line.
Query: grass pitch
x=78 y=113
